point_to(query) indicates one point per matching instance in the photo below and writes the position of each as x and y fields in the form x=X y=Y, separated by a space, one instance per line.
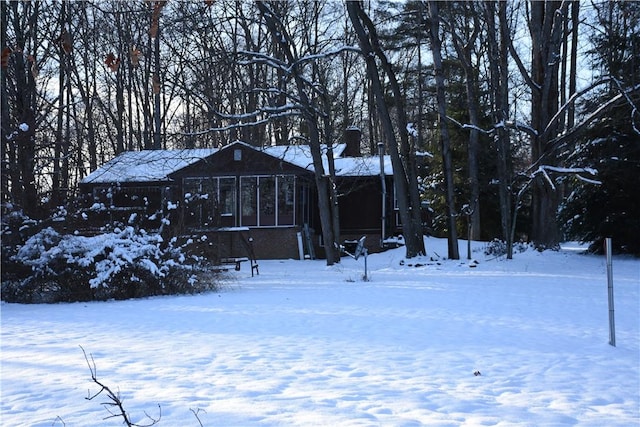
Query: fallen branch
x=114 y=398
x=195 y=414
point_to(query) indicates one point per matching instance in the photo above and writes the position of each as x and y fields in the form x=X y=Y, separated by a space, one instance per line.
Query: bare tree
x=20 y=104
x=546 y=24
x=405 y=177
x=465 y=26
x=60 y=178
x=281 y=35
x=436 y=50
x=499 y=88
x=156 y=83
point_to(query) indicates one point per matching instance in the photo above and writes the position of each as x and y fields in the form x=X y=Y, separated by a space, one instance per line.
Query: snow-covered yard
x=305 y=344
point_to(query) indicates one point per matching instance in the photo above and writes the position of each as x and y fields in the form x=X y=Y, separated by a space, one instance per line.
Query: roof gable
x=240 y=158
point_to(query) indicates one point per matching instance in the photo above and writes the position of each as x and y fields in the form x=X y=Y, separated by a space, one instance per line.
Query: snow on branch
x=328 y=54
x=263 y=110
x=509 y=124
x=634 y=107
x=514 y=124
x=544 y=170
x=241 y=124
x=262 y=58
x=569 y=134
x=470 y=126
x=225 y=128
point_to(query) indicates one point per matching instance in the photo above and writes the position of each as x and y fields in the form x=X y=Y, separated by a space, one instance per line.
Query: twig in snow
x=115 y=400
x=195 y=414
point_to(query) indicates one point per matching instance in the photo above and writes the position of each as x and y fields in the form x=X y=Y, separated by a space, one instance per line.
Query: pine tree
x=611 y=145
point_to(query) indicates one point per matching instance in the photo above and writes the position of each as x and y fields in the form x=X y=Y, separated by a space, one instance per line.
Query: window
x=249 y=200
x=263 y=201
x=267 y=201
x=286 y=199
x=209 y=202
x=227 y=201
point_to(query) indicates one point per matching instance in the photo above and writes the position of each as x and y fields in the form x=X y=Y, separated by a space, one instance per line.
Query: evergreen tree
x=611 y=145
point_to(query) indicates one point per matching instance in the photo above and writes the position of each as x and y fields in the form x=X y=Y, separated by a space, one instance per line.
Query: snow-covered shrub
x=125 y=263
x=498 y=248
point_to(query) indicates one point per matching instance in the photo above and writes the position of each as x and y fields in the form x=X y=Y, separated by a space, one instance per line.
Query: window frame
x=260 y=217
x=199 y=210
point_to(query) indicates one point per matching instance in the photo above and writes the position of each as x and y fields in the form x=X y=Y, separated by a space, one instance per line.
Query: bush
x=498 y=248
x=126 y=263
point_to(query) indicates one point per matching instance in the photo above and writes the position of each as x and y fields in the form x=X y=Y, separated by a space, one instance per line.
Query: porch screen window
x=286 y=199
x=267 y=189
x=249 y=200
x=227 y=201
x=267 y=201
x=209 y=202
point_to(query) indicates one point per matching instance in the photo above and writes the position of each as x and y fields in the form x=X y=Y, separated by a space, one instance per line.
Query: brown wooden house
x=224 y=197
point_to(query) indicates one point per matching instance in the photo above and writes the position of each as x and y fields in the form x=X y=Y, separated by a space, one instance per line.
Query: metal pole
x=469 y=236
x=366 y=277
x=612 y=321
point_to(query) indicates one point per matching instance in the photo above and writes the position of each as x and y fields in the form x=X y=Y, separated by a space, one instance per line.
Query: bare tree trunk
x=7 y=152
x=281 y=36
x=503 y=137
x=368 y=44
x=86 y=85
x=22 y=124
x=157 y=90
x=499 y=90
x=372 y=117
x=573 y=73
x=464 y=49
x=414 y=236
x=328 y=131
x=445 y=143
x=546 y=29
x=55 y=179
x=346 y=120
x=56 y=197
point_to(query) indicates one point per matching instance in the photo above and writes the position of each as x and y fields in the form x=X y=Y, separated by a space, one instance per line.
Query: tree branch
x=557 y=142
x=523 y=70
x=115 y=400
x=510 y=124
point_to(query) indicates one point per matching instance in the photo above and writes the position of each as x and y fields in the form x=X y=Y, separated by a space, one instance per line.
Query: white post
x=612 y=321
x=300 y=246
x=383 y=231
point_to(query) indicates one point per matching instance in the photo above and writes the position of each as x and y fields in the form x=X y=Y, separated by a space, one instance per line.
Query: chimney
x=352 y=139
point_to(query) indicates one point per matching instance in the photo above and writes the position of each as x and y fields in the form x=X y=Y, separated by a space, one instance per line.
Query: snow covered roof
x=146 y=165
x=300 y=155
x=362 y=166
x=158 y=165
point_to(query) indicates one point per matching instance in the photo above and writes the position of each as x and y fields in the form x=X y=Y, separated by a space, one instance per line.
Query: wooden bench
x=237 y=261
